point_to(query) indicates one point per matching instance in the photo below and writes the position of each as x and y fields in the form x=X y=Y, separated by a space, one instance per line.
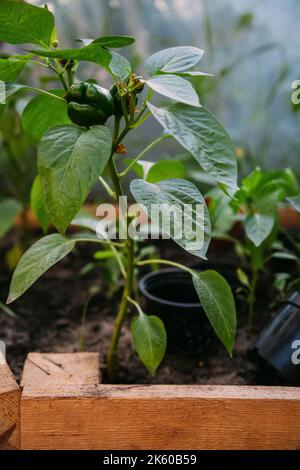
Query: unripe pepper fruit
x=89 y=104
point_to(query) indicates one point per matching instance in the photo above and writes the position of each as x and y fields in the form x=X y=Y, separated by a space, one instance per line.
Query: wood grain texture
x=47 y=370
x=160 y=417
x=10 y=395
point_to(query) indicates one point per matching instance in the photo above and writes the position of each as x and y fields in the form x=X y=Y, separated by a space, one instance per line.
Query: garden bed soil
x=49 y=320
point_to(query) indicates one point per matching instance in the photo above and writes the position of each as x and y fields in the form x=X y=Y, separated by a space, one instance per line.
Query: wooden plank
x=47 y=370
x=160 y=417
x=10 y=395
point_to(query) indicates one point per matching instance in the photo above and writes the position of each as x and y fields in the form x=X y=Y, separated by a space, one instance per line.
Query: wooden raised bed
x=63 y=406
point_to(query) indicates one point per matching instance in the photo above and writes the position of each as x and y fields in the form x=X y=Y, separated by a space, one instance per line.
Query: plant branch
x=108 y=189
x=144 y=152
x=111 y=355
x=167 y=262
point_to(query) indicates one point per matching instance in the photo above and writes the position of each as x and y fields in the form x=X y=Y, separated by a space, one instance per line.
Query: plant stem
x=163 y=261
x=135 y=304
x=111 y=355
x=146 y=150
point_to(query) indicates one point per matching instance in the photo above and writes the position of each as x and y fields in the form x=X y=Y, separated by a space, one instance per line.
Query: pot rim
x=145 y=292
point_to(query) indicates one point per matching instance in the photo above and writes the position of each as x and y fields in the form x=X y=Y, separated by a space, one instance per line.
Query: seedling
x=77 y=148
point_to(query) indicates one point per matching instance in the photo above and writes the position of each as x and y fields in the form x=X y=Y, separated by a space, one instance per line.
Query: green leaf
x=110 y=41
x=9 y=209
x=285 y=255
x=114 y=63
x=70 y=160
x=258 y=227
x=243 y=278
x=21 y=23
x=139 y=168
x=183 y=205
x=217 y=300
x=38 y=205
x=174 y=59
x=42 y=113
x=166 y=169
x=295 y=201
x=104 y=254
x=7 y=310
x=149 y=340
x=10 y=69
x=222 y=215
x=204 y=137
x=176 y=88
x=11 y=88
x=261 y=183
x=36 y=261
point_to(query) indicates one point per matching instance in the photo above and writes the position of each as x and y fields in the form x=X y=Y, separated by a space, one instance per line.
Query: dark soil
x=49 y=320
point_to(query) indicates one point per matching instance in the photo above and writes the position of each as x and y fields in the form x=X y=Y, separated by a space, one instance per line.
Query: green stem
x=141 y=121
x=83 y=321
x=163 y=261
x=107 y=188
x=144 y=152
x=111 y=355
x=135 y=304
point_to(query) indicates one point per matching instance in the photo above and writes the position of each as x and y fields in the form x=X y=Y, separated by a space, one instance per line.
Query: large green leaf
x=114 y=63
x=110 y=41
x=42 y=113
x=258 y=227
x=204 y=137
x=174 y=59
x=36 y=261
x=180 y=202
x=217 y=300
x=9 y=209
x=295 y=201
x=21 y=23
x=70 y=160
x=176 y=88
x=149 y=340
x=38 y=205
x=10 y=69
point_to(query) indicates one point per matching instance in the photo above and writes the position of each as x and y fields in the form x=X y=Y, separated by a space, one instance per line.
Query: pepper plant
x=77 y=148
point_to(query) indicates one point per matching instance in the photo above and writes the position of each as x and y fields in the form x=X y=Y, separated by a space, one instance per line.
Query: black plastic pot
x=278 y=345
x=170 y=295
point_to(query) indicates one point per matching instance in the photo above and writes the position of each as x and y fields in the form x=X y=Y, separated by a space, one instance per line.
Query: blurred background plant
x=251 y=47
